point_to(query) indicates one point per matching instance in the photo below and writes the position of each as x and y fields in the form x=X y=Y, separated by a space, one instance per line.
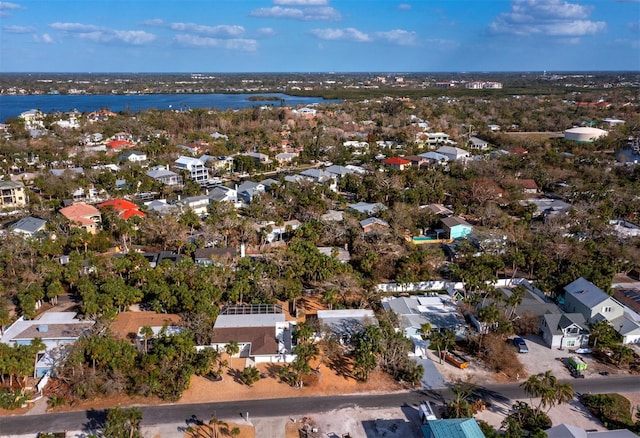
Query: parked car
x=521 y=345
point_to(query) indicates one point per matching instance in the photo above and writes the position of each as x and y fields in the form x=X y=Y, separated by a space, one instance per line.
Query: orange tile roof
x=125 y=209
x=76 y=211
x=396 y=161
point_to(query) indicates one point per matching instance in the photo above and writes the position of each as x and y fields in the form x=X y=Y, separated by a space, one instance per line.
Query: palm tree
x=232 y=348
x=147 y=333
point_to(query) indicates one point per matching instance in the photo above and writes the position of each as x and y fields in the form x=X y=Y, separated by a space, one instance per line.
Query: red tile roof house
x=397 y=163
x=124 y=208
x=529 y=186
x=83 y=216
x=119 y=144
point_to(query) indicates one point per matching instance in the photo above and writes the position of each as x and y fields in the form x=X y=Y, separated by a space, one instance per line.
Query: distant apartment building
x=195 y=167
x=477 y=85
x=12 y=194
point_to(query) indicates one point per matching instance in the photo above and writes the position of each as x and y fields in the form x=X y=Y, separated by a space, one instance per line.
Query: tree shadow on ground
x=341 y=365
x=96 y=420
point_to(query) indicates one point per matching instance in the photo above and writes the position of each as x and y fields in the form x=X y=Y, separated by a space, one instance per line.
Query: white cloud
x=635 y=27
x=9 y=5
x=300 y=2
x=398 y=36
x=442 y=44
x=557 y=18
x=154 y=22
x=243 y=44
x=18 y=29
x=306 y=14
x=75 y=27
x=404 y=7
x=105 y=35
x=347 y=34
x=45 y=38
x=5 y=7
x=266 y=31
x=135 y=37
x=218 y=31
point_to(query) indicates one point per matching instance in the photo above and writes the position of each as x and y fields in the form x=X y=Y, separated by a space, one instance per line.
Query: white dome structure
x=584 y=134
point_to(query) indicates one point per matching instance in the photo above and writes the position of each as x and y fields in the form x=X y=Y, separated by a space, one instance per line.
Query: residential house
x=547 y=207
x=343 y=324
x=356 y=147
x=214 y=256
x=90 y=194
x=286 y=157
x=417 y=161
x=12 y=194
x=125 y=209
x=478 y=144
x=433 y=139
x=332 y=216
x=165 y=176
x=319 y=176
x=29 y=226
x=582 y=296
x=223 y=194
x=341 y=171
x=220 y=164
x=33 y=119
x=249 y=190
x=161 y=206
x=456 y=227
x=69 y=171
x=115 y=145
x=198 y=204
x=569 y=431
x=56 y=329
x=275 y=232
x=397 y=163
x=452 y=428
x=155 y=258
x=261 y=331
x=372 y=224
x=528 y=186
x=367 y=208
x=440 y=311
x=564 y=330
x=435 y=158
x=194 y=167
x=342 y=254
x=83 y=216
x=438 y=210
x=133 y=157
x=258 y=158
x=453 y=153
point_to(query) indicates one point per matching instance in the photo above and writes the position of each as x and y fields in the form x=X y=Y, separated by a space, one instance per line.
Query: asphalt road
x=181 y=413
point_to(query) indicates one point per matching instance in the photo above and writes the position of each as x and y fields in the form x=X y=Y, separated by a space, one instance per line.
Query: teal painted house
x=452 y=428
x=457 y=227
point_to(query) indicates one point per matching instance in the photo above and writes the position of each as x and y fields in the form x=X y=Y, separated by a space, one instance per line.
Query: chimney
x=242 y=250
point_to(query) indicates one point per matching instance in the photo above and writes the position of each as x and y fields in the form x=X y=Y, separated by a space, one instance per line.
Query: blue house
x=457 y=227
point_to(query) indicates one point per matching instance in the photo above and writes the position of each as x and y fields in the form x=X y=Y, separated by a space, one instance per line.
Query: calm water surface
x=12 y=106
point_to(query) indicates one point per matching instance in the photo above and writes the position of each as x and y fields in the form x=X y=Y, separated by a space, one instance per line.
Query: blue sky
x=318 y=35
